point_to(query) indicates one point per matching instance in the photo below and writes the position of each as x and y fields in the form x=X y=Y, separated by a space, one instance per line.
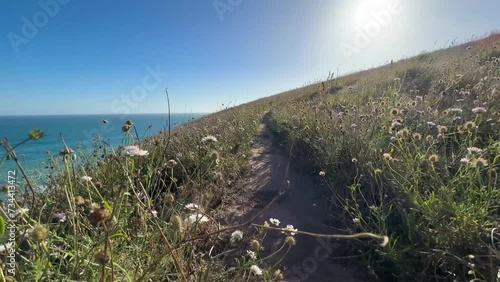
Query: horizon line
x=113 y=114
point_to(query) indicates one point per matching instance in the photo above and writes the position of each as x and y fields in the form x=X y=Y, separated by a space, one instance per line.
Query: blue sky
x=87 y=57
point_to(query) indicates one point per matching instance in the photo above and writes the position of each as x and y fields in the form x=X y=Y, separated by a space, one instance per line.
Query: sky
x=94 y=57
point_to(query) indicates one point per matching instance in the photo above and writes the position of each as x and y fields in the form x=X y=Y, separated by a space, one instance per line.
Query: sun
x=364 y=10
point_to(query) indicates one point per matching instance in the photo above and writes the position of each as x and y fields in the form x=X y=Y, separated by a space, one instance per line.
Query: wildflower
x=289 y=230
x=395 y=111
x=455 y=110
x=171 y=163
x=126 y=128
x=396 y=124
x=404 y=132
x=417 y=136
x=197 y=217
x=255 y=245
x=470 y=126
x=275 y=221
x=153 y=213
x=464 y=161
x=322 y=173
x=256 y=270
x=354 y=160
x=98 y=215
x=40 y=233
x=129 y=122
x=208 y=139
x=355 y=220
x=377 y=171
x=419 y=112
x=278 y=275
x=433 y=158
x=479 y=110
x=85 y=179
x=393 y=139
x=236 y=236
x=387 y=157
x=429 y=138
x=176 y=222
x=133 y=150
x=79 y=201
x=169 y=198
x=290 y=240
x=354 y=125
x=474 y=150
x=252 y=255
x=442 y=129
x=480 y=162
x=36 y=134
x=60 y=217
x=192 y=207
x=66 y=151
x=214 y=156
x=384 y=242
x=431 y=124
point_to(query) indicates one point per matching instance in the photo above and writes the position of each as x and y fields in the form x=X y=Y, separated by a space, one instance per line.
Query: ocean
x=78 y=132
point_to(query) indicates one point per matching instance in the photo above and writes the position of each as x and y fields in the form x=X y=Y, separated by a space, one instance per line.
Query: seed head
x=433 y=158
x=40 y=233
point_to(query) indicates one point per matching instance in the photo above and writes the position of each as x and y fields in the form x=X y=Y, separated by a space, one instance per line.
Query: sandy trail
x=312 y=259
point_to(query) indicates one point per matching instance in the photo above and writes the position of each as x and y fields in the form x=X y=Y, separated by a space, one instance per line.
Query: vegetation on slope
x=410 y=150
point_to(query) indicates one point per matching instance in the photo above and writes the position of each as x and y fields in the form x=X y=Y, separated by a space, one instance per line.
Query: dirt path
x=312 y=259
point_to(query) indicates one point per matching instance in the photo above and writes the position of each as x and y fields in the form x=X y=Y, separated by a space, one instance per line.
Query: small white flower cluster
x=256 y=270
x=252 y=254
x=85 y=179
x=134 y=151
x=275 y=221
x=196 y=217
x=236 y=236
x=208 y=139
x=289 y=230
x=479 y=110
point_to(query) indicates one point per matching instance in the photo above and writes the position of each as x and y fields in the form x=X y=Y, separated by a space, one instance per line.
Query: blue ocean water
x=78 y=131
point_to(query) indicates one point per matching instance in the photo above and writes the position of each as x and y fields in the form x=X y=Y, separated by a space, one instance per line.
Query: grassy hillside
x=409 y=150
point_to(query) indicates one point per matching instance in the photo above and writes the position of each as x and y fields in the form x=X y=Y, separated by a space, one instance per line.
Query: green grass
x=395 y=145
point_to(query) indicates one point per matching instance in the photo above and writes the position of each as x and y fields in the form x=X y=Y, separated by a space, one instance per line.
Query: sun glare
x=365 y=10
